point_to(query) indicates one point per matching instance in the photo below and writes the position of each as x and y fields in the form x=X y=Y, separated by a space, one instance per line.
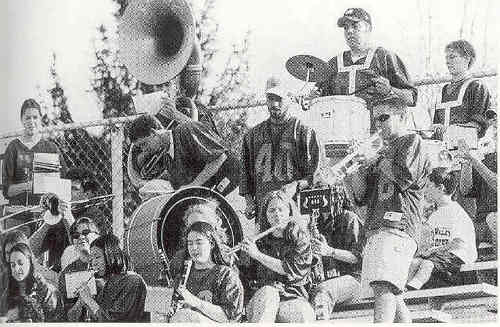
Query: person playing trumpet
x=395 y=183
x=282 y=267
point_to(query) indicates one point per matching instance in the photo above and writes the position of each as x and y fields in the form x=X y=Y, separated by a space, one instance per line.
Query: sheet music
x=52 y=183
x=74 y=281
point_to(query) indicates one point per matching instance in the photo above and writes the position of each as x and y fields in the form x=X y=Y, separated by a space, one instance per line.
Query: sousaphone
x=157 y=42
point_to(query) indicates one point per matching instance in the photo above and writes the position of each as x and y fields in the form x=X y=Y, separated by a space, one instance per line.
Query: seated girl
x=83 y=232
x=25 y=283
x=123 y=295
x=213 y=291
x=283 y=264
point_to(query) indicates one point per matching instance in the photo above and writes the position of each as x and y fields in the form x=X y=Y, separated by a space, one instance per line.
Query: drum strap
x=448 y=105
x=352 y=69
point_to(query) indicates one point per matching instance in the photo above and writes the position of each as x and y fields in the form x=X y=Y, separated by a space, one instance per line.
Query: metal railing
x=105 y=153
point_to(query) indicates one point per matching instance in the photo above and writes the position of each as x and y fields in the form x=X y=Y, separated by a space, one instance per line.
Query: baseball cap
x=273 y=86
x=356 y=15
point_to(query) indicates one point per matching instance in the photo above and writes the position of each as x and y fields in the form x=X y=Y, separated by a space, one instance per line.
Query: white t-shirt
x=450 y=222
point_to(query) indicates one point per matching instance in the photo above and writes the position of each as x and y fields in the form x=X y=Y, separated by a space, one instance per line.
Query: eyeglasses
x=85 y=232
x=382 y=118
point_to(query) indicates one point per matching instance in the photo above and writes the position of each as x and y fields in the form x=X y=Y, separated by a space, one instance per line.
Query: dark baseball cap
x=356 y=15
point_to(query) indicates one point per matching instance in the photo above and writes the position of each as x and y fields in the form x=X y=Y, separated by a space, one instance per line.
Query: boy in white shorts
x=452 y=230
x=395 y=184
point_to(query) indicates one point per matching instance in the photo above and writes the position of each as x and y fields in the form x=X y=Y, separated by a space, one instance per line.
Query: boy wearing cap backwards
x=370 y=72
x=395 y=184
x=279 y=153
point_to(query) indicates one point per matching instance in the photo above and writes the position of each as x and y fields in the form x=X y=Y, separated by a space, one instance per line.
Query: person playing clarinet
x=212 y=291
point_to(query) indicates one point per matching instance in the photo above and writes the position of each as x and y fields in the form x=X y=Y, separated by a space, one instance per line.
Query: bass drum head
x=171 y=224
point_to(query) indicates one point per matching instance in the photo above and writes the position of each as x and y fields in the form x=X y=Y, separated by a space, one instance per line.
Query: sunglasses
x=85 y=232
x=382 y=118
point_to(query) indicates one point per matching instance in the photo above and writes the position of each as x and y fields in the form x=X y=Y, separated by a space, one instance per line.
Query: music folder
x=74 y=280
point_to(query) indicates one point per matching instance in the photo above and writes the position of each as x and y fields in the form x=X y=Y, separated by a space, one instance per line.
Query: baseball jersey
x=275 y=154
x=397 y=204
x=18 y=167
x=219 y=285
x=463 y=102
x=349 y=77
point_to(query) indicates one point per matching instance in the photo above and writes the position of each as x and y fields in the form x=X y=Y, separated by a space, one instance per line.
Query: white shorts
x=386 y=257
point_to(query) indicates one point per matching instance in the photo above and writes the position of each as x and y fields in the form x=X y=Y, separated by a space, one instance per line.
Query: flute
x=268 y=231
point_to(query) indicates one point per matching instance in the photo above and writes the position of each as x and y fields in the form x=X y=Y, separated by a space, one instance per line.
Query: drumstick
x=93 y=199
x=258 y=236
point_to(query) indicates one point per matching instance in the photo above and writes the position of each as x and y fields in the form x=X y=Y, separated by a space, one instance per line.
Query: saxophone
x=176 y=302
x=317 y=269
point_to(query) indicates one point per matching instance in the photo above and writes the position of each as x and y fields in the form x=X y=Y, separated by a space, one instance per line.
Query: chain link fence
x=105 y=151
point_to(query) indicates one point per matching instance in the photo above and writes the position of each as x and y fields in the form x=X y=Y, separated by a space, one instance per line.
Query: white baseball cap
x=273 y=86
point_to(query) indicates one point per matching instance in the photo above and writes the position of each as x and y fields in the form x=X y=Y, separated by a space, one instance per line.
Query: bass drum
x=156 y=225
x=339 y=118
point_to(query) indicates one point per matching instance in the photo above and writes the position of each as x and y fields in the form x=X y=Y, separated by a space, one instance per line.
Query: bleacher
x=475 y=302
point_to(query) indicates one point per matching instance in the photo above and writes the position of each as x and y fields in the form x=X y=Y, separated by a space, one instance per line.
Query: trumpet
x=344 y=166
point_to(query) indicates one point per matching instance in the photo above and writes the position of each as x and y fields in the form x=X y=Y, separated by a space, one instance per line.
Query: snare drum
x=339 y=118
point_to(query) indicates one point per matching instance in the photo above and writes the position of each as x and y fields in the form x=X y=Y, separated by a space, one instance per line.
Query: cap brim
x=342 y=20
x=277 y=91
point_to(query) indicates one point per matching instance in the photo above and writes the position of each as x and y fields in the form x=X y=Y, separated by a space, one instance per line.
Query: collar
x=171 y=148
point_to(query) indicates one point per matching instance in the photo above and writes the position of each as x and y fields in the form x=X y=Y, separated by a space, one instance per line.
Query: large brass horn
x=157 y=38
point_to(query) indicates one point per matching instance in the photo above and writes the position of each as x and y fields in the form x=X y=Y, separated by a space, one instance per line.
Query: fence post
x=117 y=180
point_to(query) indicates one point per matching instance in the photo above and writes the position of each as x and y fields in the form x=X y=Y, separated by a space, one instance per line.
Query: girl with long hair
x=213 y=291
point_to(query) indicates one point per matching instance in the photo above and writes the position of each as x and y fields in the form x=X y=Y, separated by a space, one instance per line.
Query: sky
x=33 y=29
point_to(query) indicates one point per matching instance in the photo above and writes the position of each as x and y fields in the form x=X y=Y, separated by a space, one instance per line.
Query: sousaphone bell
x=157 y=42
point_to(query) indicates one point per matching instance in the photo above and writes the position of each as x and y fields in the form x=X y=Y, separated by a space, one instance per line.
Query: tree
x=54 y=102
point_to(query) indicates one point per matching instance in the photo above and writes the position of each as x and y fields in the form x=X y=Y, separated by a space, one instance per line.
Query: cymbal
x=319 y=70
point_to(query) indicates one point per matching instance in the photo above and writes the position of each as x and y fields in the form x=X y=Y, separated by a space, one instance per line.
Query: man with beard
x=279 y=153
x=365 y=70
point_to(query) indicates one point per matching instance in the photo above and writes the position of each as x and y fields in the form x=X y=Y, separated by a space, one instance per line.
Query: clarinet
x=176 y=303
x=165 y=279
